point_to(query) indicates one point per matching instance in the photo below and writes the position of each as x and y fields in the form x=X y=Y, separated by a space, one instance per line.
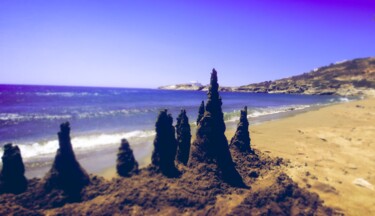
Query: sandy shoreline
x=101 y=160
x=328 y=149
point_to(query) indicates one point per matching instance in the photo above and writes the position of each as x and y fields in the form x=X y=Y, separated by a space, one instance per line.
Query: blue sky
x=152 y=43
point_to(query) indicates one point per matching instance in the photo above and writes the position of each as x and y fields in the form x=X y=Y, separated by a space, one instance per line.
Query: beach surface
x=330 y=152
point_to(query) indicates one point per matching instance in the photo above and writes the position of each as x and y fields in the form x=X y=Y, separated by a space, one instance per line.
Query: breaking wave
x=257 y=112
x=26 y=117
x=270 y=111
x=67 y=94
x=72 y=115
x=343 y=99
x=85 y=142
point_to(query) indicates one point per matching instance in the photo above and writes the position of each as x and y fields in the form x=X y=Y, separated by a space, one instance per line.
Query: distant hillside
x=348 y=78
x=354 y=77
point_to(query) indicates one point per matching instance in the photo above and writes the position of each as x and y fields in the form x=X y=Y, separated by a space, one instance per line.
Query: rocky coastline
x=349 y=78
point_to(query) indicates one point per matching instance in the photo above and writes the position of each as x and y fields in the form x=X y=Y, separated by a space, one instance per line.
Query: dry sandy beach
x=329 y=150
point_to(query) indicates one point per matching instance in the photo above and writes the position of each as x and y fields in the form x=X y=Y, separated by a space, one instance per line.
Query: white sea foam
x=10 y=116
x=253 y=113
x=232 y=116
x=81 y=115
x=275 y=110
x=112 y=113
x=343 y=99
x=67 y=94
x=340 y=100
x=26 y=117
x=86 y=142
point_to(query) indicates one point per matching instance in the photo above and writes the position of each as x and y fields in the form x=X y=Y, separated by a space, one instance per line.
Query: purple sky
x=152 y=43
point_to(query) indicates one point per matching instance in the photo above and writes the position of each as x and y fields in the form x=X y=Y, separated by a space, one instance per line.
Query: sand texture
x=199 y=191
x=331 y=152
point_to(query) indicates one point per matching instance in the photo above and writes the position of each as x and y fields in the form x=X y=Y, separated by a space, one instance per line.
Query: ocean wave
x=232 y=116
x=67 y=94
x=66 y=116
x=341 y=100
x=112 y=113
x=276 y=110
x=27 y=117
x=85 y=142
x=61 y=94
x=10 y=116
x=257 y=112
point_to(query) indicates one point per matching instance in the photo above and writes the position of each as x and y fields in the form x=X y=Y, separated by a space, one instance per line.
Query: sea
x=100 y=117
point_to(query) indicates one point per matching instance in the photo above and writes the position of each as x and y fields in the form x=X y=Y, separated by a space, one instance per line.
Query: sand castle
x=241 y=139
x=163 y=188
x=211 y=145
x=165 y=145
x=126 y=165
x=12 y=176
x=200 y=112
x=183 y=137
x=66 y=172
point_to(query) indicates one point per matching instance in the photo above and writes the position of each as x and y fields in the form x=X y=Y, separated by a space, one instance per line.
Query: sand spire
x=126 y=163
x=12 y=175
x=211 y=145
x=165 y=145
x=183 y=137
x=241 y=139
x=66 y=173
x=200 y=112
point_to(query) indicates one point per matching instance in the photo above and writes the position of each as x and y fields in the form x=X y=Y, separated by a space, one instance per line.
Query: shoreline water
x=103 y=159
